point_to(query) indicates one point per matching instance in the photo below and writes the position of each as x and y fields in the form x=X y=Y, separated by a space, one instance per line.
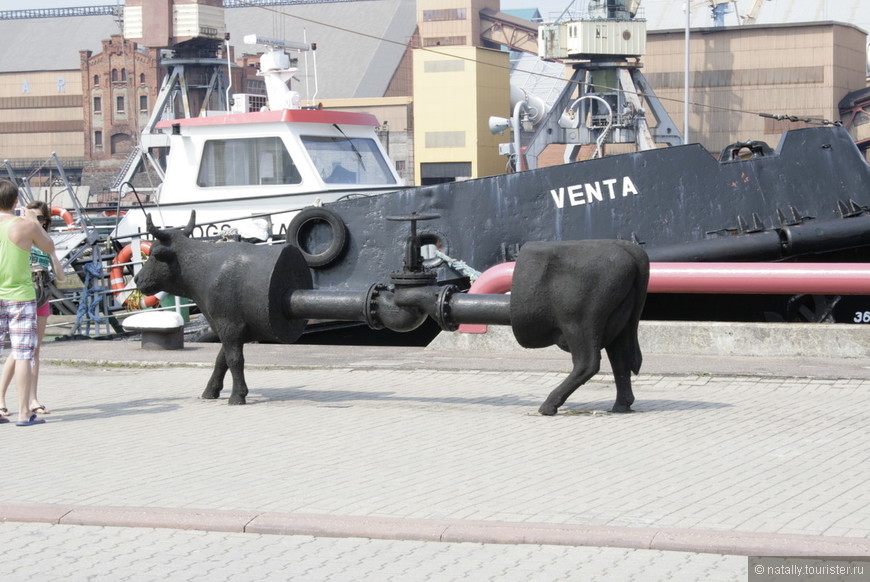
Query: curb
x=707 y=338
x=483 y=532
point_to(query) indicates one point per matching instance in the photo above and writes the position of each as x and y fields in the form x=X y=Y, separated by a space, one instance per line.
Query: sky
x=659 y=13
x=27 y=4
x=542 y=5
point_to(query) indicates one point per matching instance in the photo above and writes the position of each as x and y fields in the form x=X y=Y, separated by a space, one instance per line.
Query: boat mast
x=193 y=36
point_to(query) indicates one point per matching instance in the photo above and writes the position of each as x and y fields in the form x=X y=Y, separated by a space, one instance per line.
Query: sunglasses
x=43 y=218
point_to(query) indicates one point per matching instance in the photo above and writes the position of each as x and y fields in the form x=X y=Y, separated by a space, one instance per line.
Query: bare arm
x=57 y=268
x=41 y=238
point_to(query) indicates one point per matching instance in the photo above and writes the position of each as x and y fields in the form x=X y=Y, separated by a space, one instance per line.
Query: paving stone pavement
x=42 y=552
x=774 y=455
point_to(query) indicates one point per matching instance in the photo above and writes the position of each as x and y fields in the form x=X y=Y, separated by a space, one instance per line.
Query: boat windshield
x=348 y=160
x=246 y=162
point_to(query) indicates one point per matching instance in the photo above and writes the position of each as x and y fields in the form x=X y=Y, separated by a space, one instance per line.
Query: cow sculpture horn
x=188 y=230
x=163 y=236
x=154 y=231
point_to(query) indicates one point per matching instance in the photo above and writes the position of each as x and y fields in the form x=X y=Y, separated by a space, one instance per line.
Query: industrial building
x=431 y=71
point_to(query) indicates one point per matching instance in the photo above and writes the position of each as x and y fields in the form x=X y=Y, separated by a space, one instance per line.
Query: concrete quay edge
x=483 y=532
x=669 y=348
x=709 y=338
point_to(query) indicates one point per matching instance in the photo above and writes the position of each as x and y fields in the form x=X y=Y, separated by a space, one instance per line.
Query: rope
x=459 y=266
x=134 y=300
x=808 y=120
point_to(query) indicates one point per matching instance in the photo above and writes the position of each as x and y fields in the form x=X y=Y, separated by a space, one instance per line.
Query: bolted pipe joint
x=405 y=307
x=395 y=309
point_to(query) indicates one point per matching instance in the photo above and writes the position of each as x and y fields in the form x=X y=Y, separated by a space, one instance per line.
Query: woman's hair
x=43 y=209
x=8 y=195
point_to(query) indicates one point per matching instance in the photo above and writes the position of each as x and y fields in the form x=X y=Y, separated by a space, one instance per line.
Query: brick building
x=119 y=85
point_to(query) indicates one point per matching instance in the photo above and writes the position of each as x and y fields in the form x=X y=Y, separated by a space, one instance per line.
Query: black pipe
x=318 y=304
x=761 y=246
x=810 y=237
x=828 y=235
x=482 y=309
x=352 y=306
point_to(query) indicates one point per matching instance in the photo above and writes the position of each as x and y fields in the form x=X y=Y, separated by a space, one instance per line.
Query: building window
x=445 y=41
x=143 y=103
x=96 y=80
x=400 y=165
x=256 y=86
x=119 y=105
x=141 y=78
x=123 y=75
x=98 y=140
x=445 y=14
x=98 y=105
x=114 y=75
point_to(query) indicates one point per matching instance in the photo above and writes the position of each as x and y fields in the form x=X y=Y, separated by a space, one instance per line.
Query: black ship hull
x=807 y=200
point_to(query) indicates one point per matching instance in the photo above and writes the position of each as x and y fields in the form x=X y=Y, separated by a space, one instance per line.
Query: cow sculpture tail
x=641 y=282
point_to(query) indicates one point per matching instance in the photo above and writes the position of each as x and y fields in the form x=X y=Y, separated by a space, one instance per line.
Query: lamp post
x=686 y=88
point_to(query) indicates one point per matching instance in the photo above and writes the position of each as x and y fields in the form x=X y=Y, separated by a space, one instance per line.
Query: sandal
x=40 y=410
x=31 y=422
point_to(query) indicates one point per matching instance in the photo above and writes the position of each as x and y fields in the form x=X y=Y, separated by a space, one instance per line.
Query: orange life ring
x=63 y=213
x=119 y=284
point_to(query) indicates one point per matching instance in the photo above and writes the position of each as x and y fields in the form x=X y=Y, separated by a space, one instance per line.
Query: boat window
x=246 y=162
x=348 y=160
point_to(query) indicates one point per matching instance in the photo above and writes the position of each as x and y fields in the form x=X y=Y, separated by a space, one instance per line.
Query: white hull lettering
x=628 y=187
x=591 y=192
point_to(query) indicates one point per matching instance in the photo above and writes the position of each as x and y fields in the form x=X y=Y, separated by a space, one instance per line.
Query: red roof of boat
x=285 y=116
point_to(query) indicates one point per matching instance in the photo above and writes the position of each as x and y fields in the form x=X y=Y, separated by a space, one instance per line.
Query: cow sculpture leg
x=621 y=353
x=230 y=357
x=587 y=362
x=624 y=354
x=216 y=381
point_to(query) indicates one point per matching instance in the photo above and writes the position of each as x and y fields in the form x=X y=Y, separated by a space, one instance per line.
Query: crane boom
x=752 y=15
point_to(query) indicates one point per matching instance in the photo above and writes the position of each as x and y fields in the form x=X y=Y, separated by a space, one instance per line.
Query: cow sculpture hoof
x=548 y=410
x=234 y=400
x=211 y=393
x=621 y=408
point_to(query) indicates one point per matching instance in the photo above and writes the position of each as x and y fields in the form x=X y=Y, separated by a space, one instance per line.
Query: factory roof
x=359 y=44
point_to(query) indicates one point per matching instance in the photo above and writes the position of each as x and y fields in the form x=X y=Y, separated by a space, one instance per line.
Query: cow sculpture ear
x=162 y=253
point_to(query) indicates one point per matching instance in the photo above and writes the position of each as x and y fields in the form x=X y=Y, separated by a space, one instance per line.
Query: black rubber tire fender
x=304 y=218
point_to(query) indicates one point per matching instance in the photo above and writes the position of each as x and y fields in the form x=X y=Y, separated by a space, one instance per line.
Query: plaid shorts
x=18 y=318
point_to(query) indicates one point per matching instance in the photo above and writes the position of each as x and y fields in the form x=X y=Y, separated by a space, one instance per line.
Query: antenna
x=276 y=70
x=275 y=44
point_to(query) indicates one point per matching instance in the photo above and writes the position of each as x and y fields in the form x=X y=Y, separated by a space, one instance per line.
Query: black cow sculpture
x=583 y=296
x=238 y=286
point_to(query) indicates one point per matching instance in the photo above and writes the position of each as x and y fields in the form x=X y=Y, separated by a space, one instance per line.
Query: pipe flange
x=371 y=306
x=442 y=316
x=413 y=278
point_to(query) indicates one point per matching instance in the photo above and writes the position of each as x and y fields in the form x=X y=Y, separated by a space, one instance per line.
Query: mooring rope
x=92 y=294
x=459 y=266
